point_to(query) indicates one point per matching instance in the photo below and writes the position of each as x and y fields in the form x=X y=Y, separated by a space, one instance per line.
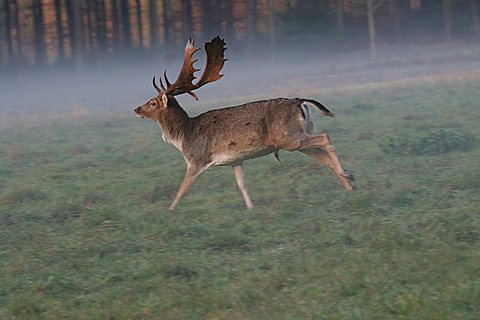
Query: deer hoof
x=348 y=175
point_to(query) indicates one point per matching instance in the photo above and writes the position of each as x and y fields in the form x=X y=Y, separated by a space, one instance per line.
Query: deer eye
x=153 y=103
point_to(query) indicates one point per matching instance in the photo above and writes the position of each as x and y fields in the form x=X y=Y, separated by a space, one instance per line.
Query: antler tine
x=166 y=79
x=214 y=50
x=161 y=85
x=183 y=84
x=194 y=96
x=156 y=87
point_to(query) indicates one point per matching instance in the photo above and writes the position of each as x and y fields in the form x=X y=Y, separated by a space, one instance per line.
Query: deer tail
x=323 y=110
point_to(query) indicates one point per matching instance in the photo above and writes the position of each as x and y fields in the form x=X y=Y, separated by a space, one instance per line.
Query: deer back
x=233 y=134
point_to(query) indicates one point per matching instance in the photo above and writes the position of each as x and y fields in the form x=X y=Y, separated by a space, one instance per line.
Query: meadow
x=85 y=232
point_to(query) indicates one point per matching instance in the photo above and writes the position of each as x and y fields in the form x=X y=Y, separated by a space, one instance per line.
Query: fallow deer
x=231 y=135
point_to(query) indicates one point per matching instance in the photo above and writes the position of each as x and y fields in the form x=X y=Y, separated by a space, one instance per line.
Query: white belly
x=233 y=158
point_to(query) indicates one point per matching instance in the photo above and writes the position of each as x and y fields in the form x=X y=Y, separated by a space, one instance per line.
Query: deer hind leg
x=333 y=163
x=321 y=149
x=240 y=177
x=322 y=141
x=193 y=171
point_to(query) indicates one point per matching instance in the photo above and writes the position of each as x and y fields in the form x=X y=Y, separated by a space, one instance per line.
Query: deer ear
x=165 y=99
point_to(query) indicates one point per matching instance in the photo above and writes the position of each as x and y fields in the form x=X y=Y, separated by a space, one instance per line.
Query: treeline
x=47 y=32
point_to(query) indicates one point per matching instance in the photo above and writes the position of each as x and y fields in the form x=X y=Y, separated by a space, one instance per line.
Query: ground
x=86 y=234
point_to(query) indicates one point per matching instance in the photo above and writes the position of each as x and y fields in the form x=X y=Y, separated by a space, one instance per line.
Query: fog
x=104 y=89
x=59 y=59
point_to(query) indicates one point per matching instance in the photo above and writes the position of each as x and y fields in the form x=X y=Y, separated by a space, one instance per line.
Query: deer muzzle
x=138 y=112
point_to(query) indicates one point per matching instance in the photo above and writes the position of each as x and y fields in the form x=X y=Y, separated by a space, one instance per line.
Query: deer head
x=184 y=84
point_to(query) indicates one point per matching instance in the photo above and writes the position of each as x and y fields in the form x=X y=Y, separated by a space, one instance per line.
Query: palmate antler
x=184 y=83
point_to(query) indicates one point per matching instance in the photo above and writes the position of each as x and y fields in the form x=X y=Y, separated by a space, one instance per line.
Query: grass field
x=85 y=233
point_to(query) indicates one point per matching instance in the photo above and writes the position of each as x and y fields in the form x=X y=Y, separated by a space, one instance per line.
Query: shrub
x=438 y=142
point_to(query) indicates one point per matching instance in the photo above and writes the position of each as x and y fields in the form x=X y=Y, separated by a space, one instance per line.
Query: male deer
x=231 y=135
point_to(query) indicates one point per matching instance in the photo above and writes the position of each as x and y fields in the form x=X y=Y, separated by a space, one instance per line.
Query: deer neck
x=173 y=121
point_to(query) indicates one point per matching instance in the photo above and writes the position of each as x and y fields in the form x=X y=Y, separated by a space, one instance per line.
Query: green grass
x=85 y=232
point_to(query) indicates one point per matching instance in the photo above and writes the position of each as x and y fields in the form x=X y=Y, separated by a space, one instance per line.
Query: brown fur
x=231 y=135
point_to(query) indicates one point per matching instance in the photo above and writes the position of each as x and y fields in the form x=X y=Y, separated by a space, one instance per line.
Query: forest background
x=37 y=33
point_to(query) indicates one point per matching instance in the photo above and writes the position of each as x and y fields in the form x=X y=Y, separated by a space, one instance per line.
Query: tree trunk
x=447 y=19
x=38 y=32
x=101 y=25
x=187 y=17
x=3 y=55
x=251 y=25
x=126 y=26
x=139 y=23
x=8 y=29
x=415 y=4
x=340 y=16
x=59 y=28
x=210 y=17
x=273 y=31
x=71 y=28
x=89 y=27
x=371 y=30
x=16 y=25
x=78 y=15
x=116 y=25
x=475 y=19
x=203 y=20
x=166 y=21
x=153 y=24
x=227 y=20
x=396 y=14
x=75 y=29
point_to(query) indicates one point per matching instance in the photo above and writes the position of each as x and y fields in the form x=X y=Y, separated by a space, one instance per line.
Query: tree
x=76 y=28
x=187 y=17
x=395 y=8
x=339 y=15
x=116 y=25
x=415 y=4
x=251 y=25
x=139 y=23
x=372 y=6
x=89 y=27
x=9 y=32
x=75 y=31
x=227 y=21
x=272 y=29
x=38 y=32
x=166 y=21
x=8 y=29
x=126 y=26
x=59 y=29
x=447 y=19
x=153 y=24
x=475 y=19
x=101 y=25
x=16 y=26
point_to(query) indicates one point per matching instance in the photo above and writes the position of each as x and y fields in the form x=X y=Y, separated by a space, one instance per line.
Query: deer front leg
x=193 y=171
x=333 y=163
x=240 y=177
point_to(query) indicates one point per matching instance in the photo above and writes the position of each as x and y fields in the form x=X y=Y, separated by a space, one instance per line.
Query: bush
x=438 y=142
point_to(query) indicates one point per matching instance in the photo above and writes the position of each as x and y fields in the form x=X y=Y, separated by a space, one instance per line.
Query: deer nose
x=137 y=109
